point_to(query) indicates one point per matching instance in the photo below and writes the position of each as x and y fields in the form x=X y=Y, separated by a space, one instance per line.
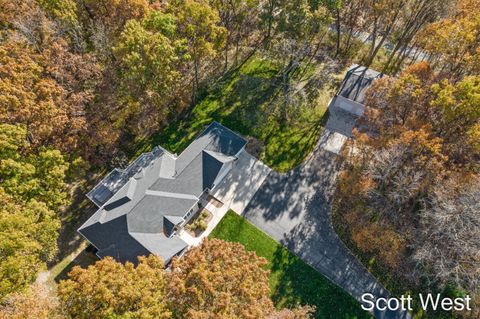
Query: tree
x=113 y=14
x=197 y=22
x=109 y=289
x=28 y=234
x=240 y=18
x=105 y=19
x=382 y=15
x=26 y=175
x=65 y=10
x=32 y=189
x=347 y=22
x=215 y=280
x=446 y=246
x=28 y=97
x=391 y=24
x=459 y=119
x=454 y=42
x=408 y=189
x=413 y=18
x=400 y=102
x=403 y=172
x=150 y=59
x=419 y=98
x=37 y=302
x=304 y=312
x=47 y=92
x=219 y=280
x=296 y=33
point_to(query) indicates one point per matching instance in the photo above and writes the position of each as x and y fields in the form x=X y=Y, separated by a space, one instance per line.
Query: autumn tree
x=390 y=24
x=305 y=312
x=421 y=98
x=47 y=92
x=409 y=181
x=458 y=106
x=221 y=280
x=65 y=10
x=296 y=31
x=385 y=183
x=414 y=16
x=151 y=58
x=198 y=24
x=31 y=193
x=240 y=18
x=110 y=289
x=400 y=102
x=113 y=14
x=447 y=246
x=354 y=18
x=454 y=42
x=106 y=19
x=347 y=23
x=39 y=302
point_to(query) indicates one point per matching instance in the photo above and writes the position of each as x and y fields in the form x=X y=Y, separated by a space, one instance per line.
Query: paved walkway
x=294 y=209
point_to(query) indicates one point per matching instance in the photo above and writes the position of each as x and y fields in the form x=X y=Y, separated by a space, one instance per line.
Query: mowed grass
x=292 y=282
x=248 y=102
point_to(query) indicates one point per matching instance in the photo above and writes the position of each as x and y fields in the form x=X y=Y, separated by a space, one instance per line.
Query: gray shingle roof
x=140 y=217
x=147 y=215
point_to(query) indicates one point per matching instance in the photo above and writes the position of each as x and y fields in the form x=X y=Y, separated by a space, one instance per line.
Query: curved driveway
x=294 y=209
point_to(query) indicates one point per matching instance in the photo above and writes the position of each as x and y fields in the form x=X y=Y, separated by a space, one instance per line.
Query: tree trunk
x=227 y=42
x=237 y=44
x=349 y=40
x=286 y=91
x=270 y=20
x=370 y=55
x=195 y=90
x=337 y=12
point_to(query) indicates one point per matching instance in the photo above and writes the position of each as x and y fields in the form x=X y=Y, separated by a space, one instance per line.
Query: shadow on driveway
x=294 y=209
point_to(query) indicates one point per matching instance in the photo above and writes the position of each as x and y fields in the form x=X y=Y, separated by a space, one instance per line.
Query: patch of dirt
x=255 y=147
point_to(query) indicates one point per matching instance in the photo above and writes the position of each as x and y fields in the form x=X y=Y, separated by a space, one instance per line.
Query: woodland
x=87 y=85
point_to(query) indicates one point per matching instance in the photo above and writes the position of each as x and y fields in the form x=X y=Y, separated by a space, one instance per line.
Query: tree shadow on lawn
x=288 y=147
x=244 y=109
x=296 y=283
x=80 y=209
x=235 y=102
x=84 y=259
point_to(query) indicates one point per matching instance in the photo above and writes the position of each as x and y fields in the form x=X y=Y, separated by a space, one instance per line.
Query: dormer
x=124 y=195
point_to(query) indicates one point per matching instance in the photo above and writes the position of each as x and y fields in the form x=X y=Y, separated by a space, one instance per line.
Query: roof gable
x=211 y=167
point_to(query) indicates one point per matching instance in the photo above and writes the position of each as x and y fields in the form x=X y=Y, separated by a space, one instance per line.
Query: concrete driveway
x=242 y=182
x=294 y=209
x=340 y=121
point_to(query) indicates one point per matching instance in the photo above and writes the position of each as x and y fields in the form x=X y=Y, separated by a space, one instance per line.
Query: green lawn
x=248 y=102
x=292 y=281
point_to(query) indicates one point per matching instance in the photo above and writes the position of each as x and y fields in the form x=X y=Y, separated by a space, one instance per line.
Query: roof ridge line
x=169 y=194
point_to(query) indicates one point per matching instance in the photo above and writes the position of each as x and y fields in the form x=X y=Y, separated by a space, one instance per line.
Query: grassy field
x=292 y=281
x=248 y=102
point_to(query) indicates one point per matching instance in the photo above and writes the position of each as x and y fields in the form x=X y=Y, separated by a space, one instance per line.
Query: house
x=351 y=95
x=142 y=208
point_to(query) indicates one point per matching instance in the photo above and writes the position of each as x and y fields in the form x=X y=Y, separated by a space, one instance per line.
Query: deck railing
x=117 y=178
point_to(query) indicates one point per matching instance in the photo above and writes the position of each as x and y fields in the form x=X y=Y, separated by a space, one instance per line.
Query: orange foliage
x=378 y=239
